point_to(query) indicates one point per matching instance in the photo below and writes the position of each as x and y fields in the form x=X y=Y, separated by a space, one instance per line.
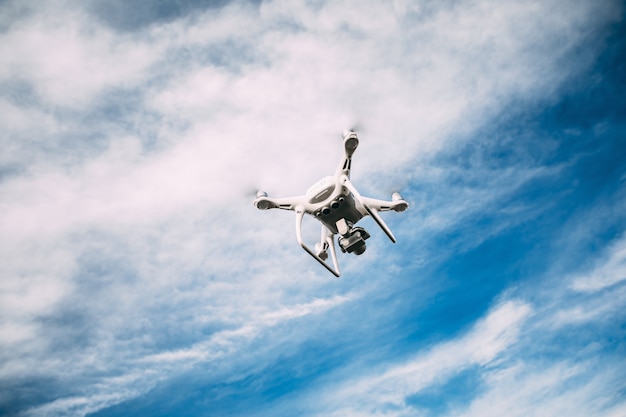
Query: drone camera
x=355 y=243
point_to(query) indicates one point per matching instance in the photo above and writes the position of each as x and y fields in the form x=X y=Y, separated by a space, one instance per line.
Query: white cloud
x=69 y=58
x=610 y=271
x=125 y=236
x=549 y=390
x=482 y=346
x=227 y=341
x=81 y=406
x=138 y=374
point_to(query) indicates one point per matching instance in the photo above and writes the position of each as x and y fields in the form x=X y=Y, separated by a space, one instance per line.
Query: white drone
x=337 y=204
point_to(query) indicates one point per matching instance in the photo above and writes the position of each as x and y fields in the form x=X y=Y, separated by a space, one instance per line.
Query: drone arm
x=372 y=211
x=344 y=166
x=300 y=212
x=263 y=202
x=350 y=143
x=396 y=204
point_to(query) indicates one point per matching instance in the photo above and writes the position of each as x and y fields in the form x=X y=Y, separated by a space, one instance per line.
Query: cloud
x=371 y=395
x=562 y=388
x=128 y=244
x=68 y=61
x=133 y=371
x=611 y=271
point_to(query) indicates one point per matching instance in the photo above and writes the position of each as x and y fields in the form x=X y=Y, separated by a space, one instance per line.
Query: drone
x=338 y=205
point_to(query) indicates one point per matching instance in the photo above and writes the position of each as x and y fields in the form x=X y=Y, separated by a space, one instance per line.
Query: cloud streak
x=130 y=252
x=480 y=347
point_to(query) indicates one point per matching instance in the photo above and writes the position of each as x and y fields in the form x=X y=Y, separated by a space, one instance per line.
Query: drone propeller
x=357 y=126
x=251 y=191
x=255 y=192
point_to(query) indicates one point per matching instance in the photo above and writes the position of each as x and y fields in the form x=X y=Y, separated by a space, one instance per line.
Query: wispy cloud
x=376 y=394
x=129 y=249
x=610 y=271
x=68 y=60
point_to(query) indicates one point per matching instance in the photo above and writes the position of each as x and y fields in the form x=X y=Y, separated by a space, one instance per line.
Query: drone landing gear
x=321 y=250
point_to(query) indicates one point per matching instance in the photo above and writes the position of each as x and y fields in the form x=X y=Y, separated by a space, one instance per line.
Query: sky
x=137 y=278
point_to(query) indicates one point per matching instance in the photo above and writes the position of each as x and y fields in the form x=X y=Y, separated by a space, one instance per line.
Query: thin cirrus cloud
x=480 y=346
x=131 y=255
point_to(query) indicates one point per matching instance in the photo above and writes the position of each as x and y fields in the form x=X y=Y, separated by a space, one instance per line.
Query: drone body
x=338 y=205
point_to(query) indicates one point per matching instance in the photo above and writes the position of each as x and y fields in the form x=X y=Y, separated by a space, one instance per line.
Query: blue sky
x=136 y=277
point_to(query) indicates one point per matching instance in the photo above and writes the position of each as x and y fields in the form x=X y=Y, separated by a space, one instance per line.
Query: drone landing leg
x=331 y=243
x=371 y=211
